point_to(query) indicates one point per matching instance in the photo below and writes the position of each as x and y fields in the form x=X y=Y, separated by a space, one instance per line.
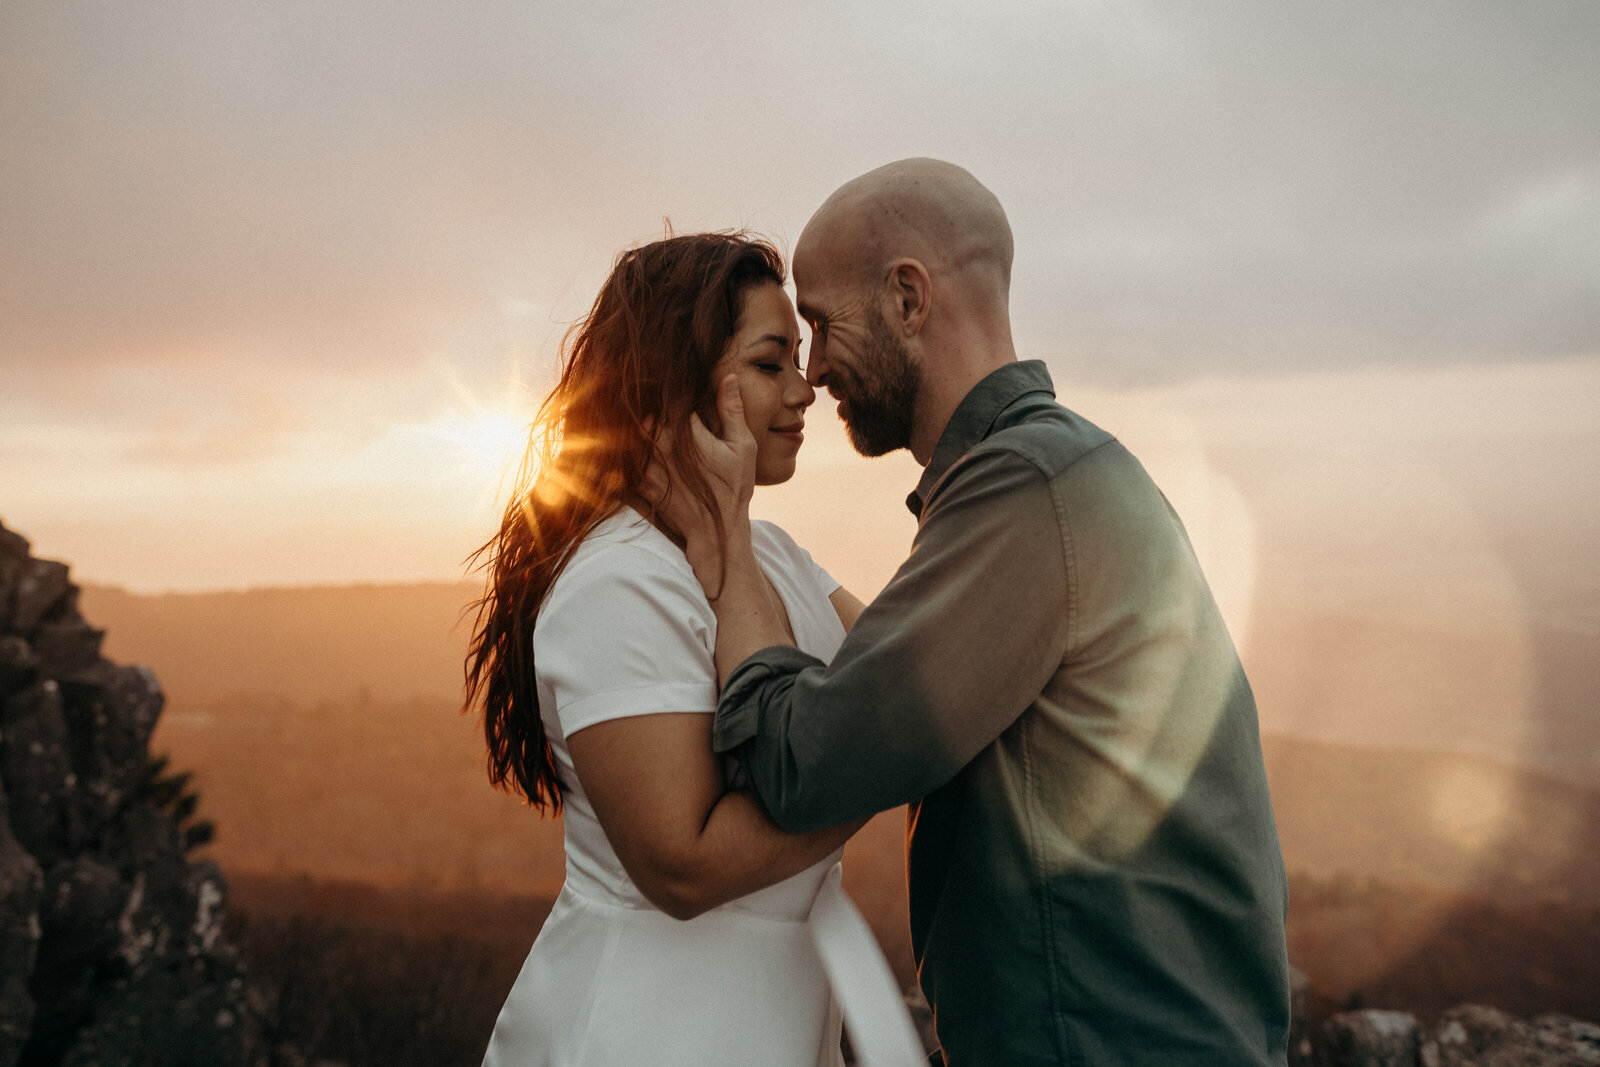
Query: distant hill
x=1441 y=819
x=392 y=642
x=324 y=725
x=1524 y=691
x=1528 y=695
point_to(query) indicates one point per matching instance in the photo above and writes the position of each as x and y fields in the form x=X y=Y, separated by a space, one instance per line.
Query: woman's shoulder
x=624 y=557
x=771 y=536
x=775 y=548
x=626 y=540
x=773 y=541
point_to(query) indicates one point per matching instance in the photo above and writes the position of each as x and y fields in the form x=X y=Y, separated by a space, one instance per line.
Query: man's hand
x=729 y=462
x=750 y=615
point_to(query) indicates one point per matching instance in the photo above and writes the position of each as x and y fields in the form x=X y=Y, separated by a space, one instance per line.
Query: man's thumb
x=730 y=405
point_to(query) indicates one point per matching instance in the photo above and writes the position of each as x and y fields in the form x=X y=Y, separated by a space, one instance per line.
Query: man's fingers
x=730 y=405
x=703 y=437
x=656 y=482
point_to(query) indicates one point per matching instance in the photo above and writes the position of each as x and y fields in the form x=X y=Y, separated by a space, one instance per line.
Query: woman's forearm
x=738 y=851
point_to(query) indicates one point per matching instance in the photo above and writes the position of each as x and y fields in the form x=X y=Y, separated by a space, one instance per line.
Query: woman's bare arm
x=846 y=606
x=657 y=790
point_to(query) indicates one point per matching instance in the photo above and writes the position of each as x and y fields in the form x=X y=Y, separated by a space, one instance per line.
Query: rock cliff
x=1471 y=1035
x=111 y=943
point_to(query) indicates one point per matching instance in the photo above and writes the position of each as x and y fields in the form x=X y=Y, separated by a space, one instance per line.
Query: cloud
x=1245 y=186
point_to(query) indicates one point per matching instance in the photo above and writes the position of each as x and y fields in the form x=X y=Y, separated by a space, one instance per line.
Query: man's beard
x=880 y=397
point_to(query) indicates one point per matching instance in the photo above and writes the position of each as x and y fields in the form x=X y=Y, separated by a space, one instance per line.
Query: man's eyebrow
x=809 y=313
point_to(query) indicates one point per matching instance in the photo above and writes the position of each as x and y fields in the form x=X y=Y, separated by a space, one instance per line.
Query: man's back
x=1095 y=872
x=1102 y=883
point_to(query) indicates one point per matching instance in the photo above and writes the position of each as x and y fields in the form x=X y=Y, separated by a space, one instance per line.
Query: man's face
x=861 y=361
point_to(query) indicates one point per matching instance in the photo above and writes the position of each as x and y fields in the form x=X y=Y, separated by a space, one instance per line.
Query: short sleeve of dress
x=775 y=540
x=825 y=581
x=624 y=632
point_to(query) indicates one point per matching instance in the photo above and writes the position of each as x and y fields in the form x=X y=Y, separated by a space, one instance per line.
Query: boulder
x=21 y=886
x=18 y=664
x=112 y=944
x=40 y=585
x=13 y=546
x=111 y=712
x=82 y=899
x=1300 y=1044
x=37 y=769
x=65 y=646
x=1370 y=1038
x=174 y=1014
x=1578 y=1042
x=1475 y=1035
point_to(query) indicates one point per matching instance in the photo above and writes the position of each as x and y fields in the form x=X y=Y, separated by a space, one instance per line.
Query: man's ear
x=909 y=295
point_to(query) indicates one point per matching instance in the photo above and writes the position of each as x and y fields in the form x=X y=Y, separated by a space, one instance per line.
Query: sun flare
x=487 y=440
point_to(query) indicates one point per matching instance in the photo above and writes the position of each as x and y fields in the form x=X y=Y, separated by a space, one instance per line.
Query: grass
x=361 y=975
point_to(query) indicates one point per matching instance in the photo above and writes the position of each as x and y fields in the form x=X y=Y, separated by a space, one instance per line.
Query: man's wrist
x=739 y=568
x=710 y=560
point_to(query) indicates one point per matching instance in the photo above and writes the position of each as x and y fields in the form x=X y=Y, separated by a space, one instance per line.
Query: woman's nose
x=800 y=393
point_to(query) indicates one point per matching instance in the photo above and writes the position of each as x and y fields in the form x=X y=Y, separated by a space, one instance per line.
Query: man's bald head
x=904 y=275
x=923 y=209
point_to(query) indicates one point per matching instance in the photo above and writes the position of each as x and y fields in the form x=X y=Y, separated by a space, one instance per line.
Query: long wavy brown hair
x=639 y=363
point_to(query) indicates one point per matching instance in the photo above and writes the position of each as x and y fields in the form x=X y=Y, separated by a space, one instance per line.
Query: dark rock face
x=111 y=944
x=1371 y=1039
x=1471 y=1035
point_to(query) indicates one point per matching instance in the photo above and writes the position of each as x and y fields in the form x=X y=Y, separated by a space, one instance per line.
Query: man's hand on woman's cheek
x=729 y=463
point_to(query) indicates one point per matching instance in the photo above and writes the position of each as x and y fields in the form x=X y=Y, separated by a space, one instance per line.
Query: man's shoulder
x=1046 y=435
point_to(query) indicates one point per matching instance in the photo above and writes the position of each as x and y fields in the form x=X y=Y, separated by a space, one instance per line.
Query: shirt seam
x=1051 y=475
x=1064 y=1045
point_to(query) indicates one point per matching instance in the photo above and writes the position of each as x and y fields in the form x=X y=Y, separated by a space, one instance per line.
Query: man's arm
x=958 y=644
x=961 y=641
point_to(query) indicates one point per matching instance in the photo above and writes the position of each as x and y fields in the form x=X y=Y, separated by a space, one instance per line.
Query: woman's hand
x=730 y=467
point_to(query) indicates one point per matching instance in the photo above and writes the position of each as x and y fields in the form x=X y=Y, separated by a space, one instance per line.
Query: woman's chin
x=774 y=476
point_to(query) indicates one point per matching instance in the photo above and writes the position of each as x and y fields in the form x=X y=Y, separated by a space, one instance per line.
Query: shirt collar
x=975 y=419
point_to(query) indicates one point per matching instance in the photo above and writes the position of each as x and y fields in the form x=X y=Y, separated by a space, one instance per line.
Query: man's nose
x=816 y=367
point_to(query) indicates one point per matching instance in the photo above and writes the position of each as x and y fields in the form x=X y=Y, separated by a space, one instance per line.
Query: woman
x=592 y=659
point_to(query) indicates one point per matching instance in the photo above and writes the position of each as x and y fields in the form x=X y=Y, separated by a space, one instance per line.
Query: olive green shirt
x=1094 y=870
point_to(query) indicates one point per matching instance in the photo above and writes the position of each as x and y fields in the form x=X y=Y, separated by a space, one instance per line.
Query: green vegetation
x=169 y=792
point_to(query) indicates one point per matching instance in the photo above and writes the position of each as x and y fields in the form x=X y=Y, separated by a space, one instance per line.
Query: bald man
x=1094 y=869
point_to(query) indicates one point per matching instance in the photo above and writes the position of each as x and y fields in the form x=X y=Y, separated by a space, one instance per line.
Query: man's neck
x=941 y=394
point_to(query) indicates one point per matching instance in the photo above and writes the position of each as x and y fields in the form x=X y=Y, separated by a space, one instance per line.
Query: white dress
x=611 y=979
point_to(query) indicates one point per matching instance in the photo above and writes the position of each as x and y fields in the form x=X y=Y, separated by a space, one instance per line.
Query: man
x=1094 y=870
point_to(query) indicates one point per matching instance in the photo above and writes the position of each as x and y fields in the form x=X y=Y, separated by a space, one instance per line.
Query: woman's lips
x=791 y=433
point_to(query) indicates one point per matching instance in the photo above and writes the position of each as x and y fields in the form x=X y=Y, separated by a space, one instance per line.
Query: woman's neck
x=648 y=512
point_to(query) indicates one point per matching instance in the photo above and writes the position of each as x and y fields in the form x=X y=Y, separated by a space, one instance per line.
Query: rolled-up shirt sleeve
x=959 y=643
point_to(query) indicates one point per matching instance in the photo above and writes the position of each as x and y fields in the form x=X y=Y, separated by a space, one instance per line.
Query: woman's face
x=765 y=354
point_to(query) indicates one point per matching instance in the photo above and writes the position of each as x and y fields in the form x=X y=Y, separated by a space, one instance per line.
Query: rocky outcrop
x=111 y=944
x=1470 y=1035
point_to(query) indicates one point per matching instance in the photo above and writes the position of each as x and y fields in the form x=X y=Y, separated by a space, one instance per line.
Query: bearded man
x=1094 y=870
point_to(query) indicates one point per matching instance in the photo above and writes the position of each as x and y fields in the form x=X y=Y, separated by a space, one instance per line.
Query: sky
x=281 y=284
